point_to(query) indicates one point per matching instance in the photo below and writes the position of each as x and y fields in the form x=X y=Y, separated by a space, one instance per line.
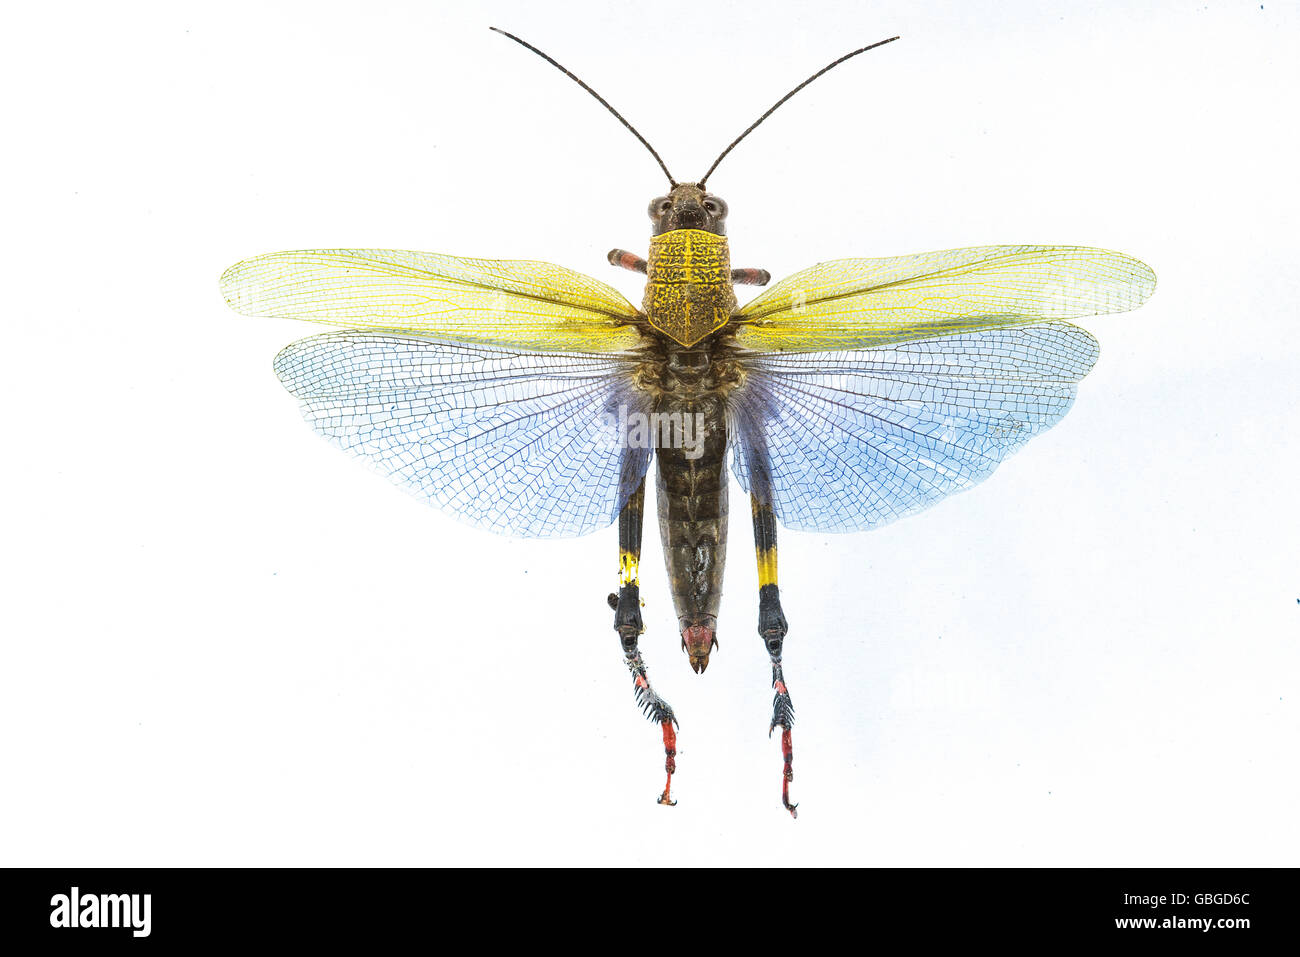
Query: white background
x=226 y=643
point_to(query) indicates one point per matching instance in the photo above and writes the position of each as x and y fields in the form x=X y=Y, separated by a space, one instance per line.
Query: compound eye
x=715 y=207
x=660 y=206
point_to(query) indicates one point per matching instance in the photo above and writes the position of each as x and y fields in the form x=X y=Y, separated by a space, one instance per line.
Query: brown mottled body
x=692 y=494
x=688 y=301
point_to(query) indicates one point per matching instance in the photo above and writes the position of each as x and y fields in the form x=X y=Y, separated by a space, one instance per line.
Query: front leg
x=627 y=622
x=750 y=277
x=626 y=260
x=740 y=277
x=772 y=629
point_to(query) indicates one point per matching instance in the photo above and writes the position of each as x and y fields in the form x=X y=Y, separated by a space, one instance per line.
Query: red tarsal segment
x=670 y=765
x=787 y=750
x=670 y=746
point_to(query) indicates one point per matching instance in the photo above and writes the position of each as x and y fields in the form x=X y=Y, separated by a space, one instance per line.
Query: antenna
x=778 y=103
x=603 y=102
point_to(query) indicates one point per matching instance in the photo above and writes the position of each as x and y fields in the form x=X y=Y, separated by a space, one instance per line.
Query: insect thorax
x=689 y=293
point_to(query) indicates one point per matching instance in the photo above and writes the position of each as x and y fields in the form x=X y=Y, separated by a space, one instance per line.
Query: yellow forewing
x=864 y=303
x=531 y=305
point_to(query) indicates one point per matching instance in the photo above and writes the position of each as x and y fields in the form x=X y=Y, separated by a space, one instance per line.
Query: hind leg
x=627 y=622
x=772 y=629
